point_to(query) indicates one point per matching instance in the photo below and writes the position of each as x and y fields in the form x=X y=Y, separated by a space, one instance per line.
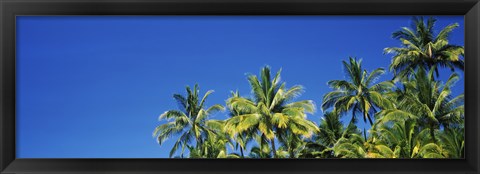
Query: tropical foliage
x=359 y=93
x=414 y=115
x=422 y=48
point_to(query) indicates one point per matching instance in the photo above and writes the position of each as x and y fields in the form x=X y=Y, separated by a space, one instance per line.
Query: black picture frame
x=9 y=9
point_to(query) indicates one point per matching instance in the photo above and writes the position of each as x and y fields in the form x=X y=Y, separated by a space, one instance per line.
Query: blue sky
x=93 y=87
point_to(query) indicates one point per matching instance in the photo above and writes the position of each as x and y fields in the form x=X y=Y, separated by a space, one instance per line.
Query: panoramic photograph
x=250 y=87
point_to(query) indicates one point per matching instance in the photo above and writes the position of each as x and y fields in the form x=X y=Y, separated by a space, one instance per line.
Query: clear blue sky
x=93 y=87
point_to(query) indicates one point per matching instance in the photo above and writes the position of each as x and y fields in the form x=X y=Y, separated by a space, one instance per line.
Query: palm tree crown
x=359 y=94
x=271 y=110
x=189 y=121
x=421 y=48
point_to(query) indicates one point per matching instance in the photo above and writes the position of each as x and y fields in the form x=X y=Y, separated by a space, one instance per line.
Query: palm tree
x=188 y=122
x=262 y=149
x=350 y=146
x=271 y=110
x=312 y=149
x=421 y=48
x=242 y=139
x=401 y=139
x=331 y=129
x=216 y=143
x=359 y=93
x=291 y=144
x=427 y=100
x=453 y=140
x=332 y=133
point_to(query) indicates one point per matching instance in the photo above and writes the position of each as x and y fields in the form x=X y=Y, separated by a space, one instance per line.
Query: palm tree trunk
x=198 y=146
x=369 y=119
x=432 y=133
x=198 y=142
x=290 y=151
x=241 y=151
x=365 y=134
x=272 y=141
